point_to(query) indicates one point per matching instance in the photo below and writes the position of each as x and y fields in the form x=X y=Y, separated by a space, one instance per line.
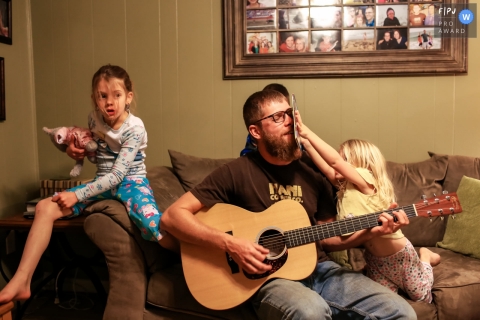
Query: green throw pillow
x=461 y=234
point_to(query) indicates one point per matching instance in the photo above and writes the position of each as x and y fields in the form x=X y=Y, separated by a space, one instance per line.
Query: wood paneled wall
x=173 y=52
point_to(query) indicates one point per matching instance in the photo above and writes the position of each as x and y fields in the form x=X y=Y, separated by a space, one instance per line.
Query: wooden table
x=18 y=222
x=58 y=245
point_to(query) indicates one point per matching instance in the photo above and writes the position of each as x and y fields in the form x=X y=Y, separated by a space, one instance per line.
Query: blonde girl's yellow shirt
x=354 y=203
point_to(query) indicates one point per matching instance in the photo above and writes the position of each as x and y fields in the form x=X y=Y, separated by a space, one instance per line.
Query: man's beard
x=280 y=148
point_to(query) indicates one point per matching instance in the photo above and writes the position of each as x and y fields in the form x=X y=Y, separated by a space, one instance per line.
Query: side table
x=58 y=245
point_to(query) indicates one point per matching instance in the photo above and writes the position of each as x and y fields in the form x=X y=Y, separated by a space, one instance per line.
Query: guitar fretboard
x=298 y=237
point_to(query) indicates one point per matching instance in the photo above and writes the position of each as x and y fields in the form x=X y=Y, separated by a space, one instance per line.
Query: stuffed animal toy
x=61 y=138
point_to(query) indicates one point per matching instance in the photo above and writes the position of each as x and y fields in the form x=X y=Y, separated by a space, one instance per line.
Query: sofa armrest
x=126 y=267
x=130 y=258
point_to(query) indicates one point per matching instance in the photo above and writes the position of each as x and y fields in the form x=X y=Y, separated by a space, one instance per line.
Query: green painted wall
x=173 y=52
x=18 y=136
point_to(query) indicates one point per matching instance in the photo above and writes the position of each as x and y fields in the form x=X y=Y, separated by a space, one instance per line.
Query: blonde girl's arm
x=328 y=171
x=332 y=158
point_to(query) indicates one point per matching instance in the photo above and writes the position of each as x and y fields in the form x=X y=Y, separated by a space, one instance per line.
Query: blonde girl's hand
x=305 y=143
x=65 y=200
x=302 y=129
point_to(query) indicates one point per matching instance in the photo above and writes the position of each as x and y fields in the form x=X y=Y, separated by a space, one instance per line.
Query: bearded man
x=279 y=170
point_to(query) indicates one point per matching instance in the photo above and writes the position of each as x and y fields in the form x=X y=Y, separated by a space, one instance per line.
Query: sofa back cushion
x=192 y=170
x=410 y=182
x=459 y=166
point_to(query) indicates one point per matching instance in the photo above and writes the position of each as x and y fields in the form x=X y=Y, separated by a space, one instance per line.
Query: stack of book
x=47 y=188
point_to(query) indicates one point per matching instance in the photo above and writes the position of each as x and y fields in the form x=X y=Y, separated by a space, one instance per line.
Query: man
x=430 y=18
x=425 y=40
x=370 y=17
x=417 y=18
x=250 y=144
x=391 y=20
x=255 y=182
x=387 y=42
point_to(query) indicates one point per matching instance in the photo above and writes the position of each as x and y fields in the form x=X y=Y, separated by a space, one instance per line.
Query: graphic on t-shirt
x=279 y=192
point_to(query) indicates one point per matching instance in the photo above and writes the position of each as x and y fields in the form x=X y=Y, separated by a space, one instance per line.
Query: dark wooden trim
x=451 y=58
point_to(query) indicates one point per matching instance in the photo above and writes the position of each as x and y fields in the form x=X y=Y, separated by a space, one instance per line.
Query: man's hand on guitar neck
x=389 y=224
x=248 y=255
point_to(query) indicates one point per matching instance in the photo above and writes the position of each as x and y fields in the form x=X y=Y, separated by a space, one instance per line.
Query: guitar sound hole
x=274 y=241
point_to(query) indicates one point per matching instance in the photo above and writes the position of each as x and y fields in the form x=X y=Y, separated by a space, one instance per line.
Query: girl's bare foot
x=16 y=289
x=430 y=257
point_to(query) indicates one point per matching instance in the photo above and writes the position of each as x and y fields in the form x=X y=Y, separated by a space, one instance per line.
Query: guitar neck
x=299 y=237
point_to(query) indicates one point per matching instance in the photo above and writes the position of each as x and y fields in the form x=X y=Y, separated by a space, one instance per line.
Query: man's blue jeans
x=331 y=292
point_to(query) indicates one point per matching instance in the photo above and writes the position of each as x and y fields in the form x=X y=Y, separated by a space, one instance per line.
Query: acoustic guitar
x=217 y=282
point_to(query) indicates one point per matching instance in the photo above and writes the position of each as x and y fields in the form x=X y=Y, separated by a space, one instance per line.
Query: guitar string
x=304 y=235
x=409 y=208
x=310 y=233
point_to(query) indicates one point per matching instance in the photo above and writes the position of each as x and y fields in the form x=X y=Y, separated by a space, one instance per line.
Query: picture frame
x=2 y=90
x=6 y=21
x=342 y=59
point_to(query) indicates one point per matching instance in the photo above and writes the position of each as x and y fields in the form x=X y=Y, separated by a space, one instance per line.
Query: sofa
x=146 y=281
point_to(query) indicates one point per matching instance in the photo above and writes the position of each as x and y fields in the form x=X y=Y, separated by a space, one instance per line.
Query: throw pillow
x=461 y=234
x=410 y=182
x=192 y=170
x=458 y=166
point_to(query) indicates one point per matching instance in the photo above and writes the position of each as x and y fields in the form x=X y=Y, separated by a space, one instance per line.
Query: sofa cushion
x=192 y=170
x=410 y=182
x=459 y=166
x=456 y=286
x=461 y=234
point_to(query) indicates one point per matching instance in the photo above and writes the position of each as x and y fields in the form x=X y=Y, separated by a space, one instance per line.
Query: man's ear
x=255 y=131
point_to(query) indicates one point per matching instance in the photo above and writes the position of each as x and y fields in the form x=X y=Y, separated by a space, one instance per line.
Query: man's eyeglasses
x=279 y=116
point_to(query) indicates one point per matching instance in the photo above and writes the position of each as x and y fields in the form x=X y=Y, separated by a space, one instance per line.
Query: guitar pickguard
x=276 y=265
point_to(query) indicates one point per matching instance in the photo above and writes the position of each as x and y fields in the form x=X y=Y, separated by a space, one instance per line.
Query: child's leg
x=376 y=269
x=418 y=277
x=429 y=257
x=137 y=196
x=169 y=242
x=46 y=212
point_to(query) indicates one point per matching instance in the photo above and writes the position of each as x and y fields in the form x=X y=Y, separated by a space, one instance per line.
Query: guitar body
x=215 y=280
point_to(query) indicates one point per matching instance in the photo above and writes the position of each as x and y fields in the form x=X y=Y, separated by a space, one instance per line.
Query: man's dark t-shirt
x=253 y=184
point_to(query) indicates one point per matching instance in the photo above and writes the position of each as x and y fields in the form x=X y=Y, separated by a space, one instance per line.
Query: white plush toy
x=61 y=138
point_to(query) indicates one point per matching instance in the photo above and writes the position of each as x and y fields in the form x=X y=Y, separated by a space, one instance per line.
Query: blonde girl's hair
x=111 y=72
x=364 y=154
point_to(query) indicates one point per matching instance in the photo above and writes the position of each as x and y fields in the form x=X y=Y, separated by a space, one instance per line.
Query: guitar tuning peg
x=441 y=218
x=454 y=216
x=444 y=192
x=434 y=195
x=424 y=197
x=430 y=219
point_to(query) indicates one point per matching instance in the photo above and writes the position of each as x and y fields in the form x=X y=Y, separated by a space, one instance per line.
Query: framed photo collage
x=342 y=38
x=321 y=26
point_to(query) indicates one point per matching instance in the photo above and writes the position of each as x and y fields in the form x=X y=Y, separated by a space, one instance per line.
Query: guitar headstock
x=439 y=206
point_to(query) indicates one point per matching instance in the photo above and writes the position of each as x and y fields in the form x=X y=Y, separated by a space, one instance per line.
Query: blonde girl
x=358 y=171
